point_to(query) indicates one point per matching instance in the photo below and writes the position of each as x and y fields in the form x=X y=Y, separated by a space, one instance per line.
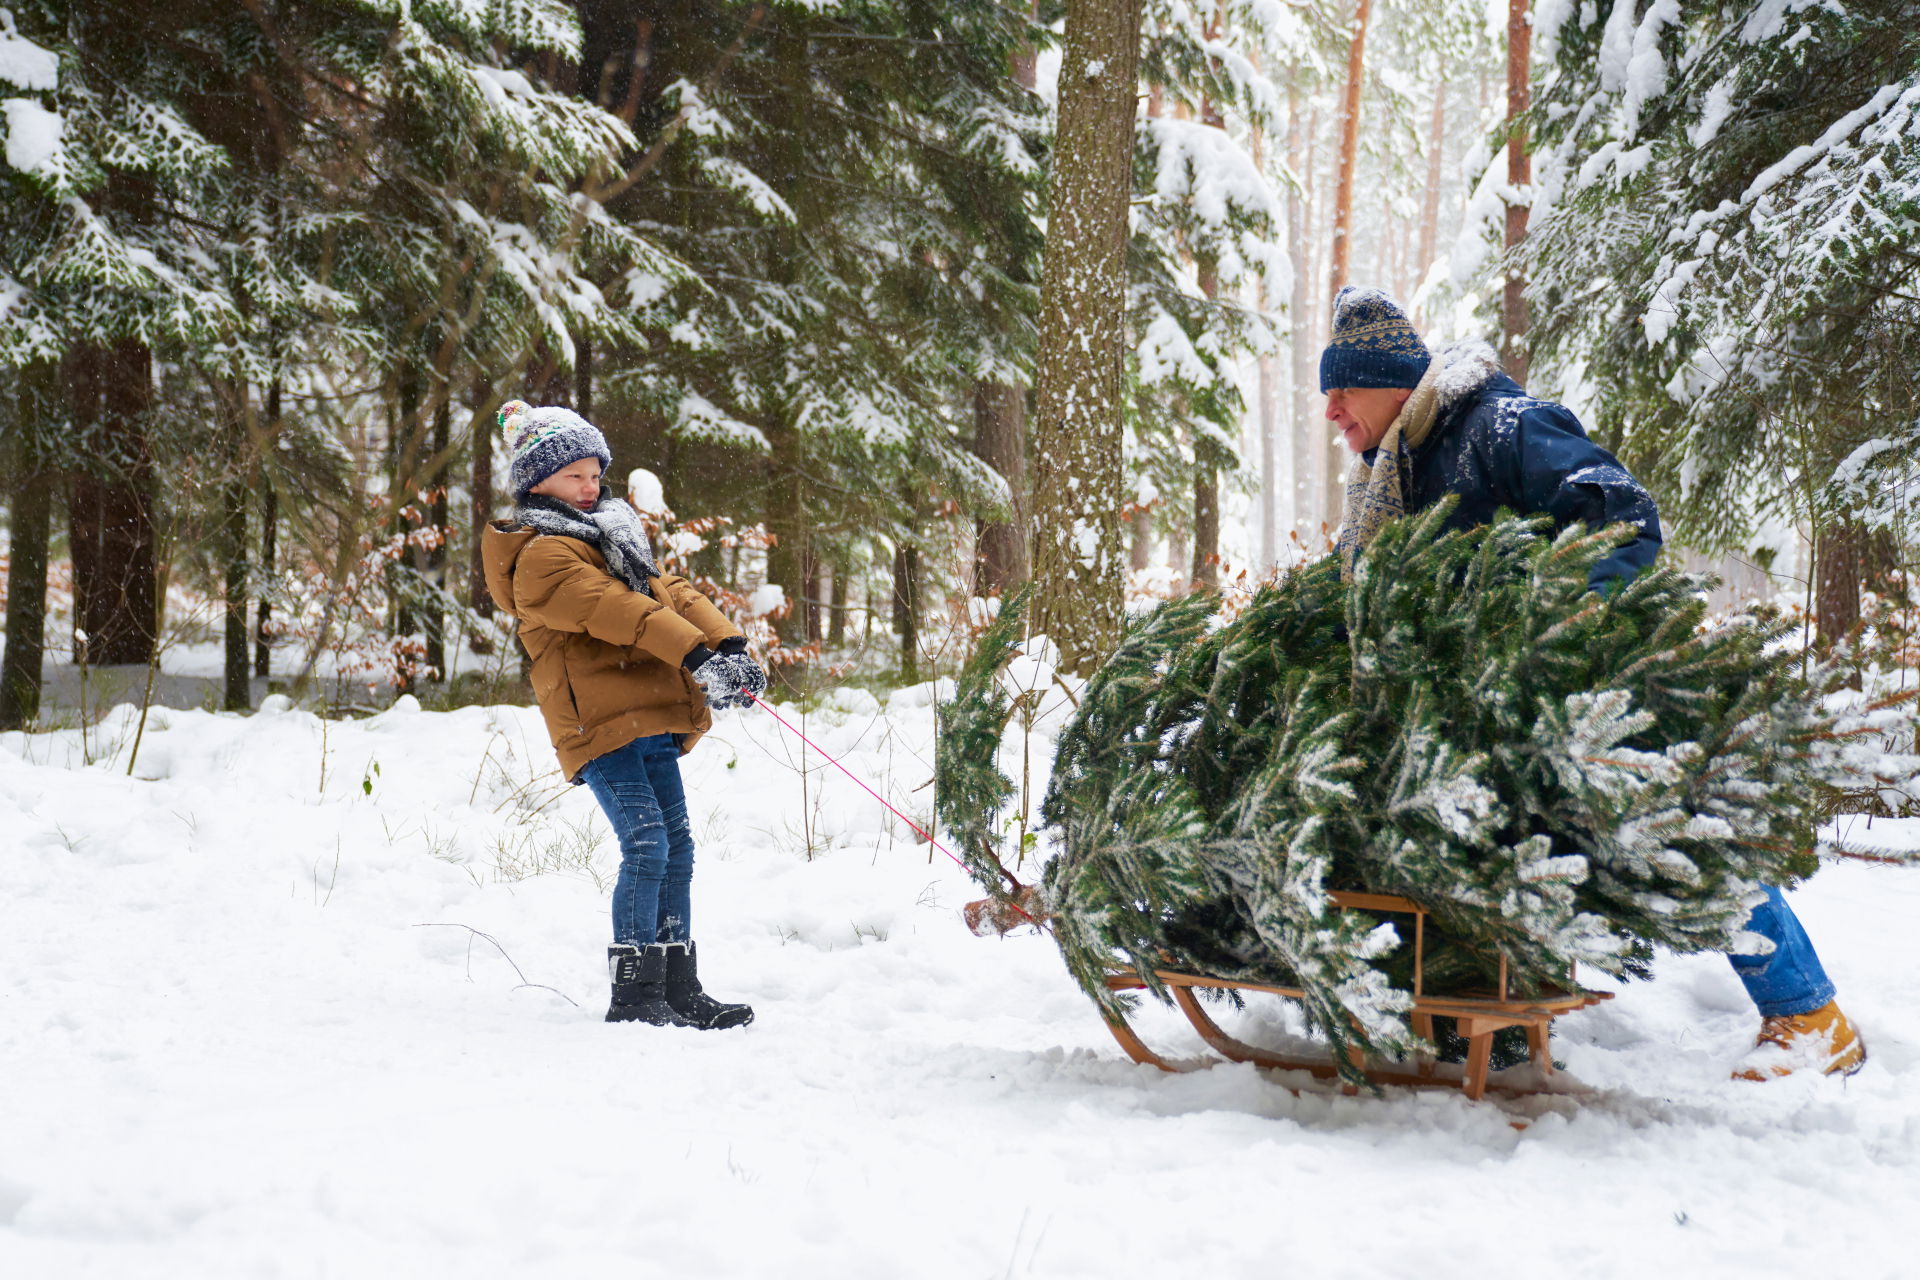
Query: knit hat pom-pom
x=512 y=414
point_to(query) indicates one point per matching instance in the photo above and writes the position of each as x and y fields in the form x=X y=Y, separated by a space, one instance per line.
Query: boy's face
x=577 y=483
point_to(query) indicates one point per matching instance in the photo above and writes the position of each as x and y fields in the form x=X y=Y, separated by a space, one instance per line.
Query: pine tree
x=1560 y=777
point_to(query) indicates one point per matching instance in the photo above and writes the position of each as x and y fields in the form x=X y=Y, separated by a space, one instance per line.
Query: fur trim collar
x=1465 y=368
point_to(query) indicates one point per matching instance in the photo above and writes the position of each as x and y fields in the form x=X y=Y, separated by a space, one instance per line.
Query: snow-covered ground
x=249 y=1026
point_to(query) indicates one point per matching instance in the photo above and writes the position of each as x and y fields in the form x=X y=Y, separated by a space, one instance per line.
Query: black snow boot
x=640 y=986
x=696 y=1007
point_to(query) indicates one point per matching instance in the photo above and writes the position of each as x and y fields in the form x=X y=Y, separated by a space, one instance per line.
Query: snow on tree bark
x=1078 y=557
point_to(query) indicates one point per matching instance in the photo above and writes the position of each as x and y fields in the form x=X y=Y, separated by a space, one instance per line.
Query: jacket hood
x=500 y=549
x=1466 y=370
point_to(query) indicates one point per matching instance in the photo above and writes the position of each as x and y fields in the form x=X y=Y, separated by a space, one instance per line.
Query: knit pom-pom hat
x=546 y=439
x=1373 y=345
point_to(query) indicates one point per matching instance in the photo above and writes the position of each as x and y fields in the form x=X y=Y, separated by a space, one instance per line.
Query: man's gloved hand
x=730 y=680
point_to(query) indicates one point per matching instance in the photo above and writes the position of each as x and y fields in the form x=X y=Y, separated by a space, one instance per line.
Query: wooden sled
x=1478 y=1016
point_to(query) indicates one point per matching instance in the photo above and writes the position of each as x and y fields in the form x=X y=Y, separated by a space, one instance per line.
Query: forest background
x=268 y=269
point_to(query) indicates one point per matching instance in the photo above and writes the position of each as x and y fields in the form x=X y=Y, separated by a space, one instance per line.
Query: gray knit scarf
x=612 y=526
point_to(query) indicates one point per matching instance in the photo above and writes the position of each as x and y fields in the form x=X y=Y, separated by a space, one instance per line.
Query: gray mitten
x=730 y=680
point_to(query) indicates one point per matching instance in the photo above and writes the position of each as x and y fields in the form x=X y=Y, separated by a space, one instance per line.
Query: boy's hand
x=731 y=680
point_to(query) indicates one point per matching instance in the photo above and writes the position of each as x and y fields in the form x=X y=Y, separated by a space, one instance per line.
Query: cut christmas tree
x=1559 y=776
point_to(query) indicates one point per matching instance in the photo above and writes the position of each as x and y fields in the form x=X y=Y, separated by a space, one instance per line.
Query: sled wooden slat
x=1477 y=1019
x=1375 y=902
x=1478 y=1015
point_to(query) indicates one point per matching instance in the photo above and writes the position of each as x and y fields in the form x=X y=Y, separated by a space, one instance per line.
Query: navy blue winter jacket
x=1496 y=446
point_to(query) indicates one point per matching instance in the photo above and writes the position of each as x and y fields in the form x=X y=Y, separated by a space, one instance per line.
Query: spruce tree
x=1724 y=238
x=1559 y=776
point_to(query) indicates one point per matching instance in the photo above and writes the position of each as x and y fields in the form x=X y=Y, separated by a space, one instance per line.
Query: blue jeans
x=638 y=787
x=1790 y=979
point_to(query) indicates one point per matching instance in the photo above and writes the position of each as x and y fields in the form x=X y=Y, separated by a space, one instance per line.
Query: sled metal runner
x=1478 y=1015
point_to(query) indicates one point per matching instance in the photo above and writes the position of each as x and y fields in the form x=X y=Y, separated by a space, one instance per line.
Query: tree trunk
x=786 y=521
x=238 y=497
x=31 y=508
x=786 y=500
x=1077 y=553
x=1342 y=244
x=906 y=608
x=1513 y=300
x=1430 y=203
x=435 y=618
x=269 y=522
x=1141 y=554
x=1206 y=527
x=111 y=506
x=1180 y=551
x=809 y=602
x=1349 y=148
x=1306 y=438
x=583 y=381
x=1026 y=59
x=548 y=380
x=1268 y=547
x=1000 y=441
x=403 y=461
x=1267 y=388
x=837 y=624
x=1206 y=471
x=480 y=487
x=1839 y=572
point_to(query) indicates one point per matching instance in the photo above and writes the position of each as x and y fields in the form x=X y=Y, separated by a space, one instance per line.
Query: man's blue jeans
x=1790 y=979
x=638 y=787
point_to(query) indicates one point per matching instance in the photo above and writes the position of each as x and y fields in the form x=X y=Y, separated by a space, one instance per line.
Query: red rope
x=924 y=834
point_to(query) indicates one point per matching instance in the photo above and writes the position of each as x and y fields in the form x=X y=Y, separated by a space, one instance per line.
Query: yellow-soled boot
x=1822 y=1041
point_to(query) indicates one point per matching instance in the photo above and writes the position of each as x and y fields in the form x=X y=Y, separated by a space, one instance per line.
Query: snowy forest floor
x=246 y=1029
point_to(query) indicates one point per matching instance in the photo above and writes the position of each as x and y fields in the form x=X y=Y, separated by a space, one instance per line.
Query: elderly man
x=1423 y=426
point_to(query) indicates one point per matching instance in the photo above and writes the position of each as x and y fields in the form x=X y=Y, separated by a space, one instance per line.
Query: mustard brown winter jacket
x=606 y=658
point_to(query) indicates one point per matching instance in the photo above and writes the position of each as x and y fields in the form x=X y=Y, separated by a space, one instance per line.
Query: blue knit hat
x=1373 y=344
x=545 y=440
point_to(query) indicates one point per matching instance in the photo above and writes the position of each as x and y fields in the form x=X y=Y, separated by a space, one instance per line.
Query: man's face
x=1363 y=414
